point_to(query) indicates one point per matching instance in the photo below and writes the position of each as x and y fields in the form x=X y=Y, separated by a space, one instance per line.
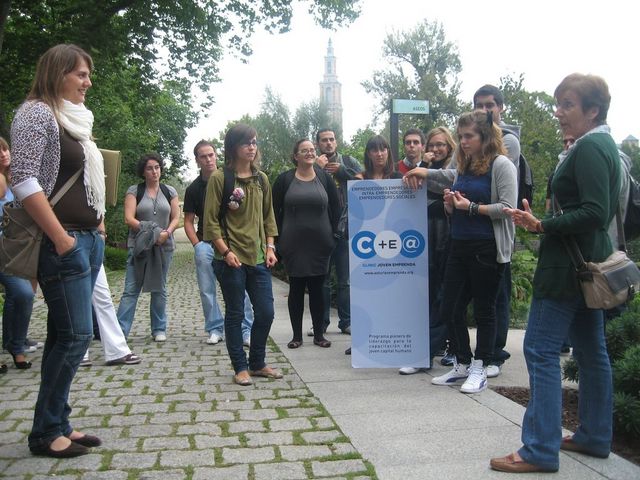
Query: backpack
x=631 y=222
x=525 y=175
x=142 y=186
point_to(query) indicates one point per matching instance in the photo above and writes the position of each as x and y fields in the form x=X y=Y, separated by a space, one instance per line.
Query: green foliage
x=623 y=332
x=623 y=344
x=626 y=372
x=540 y=138
x=115 y=258
x=356 y=146
x=422 y=65
x=523 y=266
x=148 y=56
x=626 y=414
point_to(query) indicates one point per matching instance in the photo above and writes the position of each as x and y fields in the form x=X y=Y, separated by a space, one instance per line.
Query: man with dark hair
x=490 y=98
x=206 y=159
x=342 y=168
x=414 y=143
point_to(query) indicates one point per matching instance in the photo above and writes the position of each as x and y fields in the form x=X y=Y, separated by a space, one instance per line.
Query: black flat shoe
x=73 y=450
x=87 y=441
x=23 y=365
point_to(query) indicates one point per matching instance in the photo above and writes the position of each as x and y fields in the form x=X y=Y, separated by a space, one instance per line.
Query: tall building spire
x=331 y=89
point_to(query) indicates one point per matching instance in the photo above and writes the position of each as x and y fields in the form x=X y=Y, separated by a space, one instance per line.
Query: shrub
x=523 y=266
x=626 y=414
x=115 y=258
x=623 y=343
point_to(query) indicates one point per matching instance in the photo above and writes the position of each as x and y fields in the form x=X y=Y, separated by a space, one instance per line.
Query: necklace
x=154 y=200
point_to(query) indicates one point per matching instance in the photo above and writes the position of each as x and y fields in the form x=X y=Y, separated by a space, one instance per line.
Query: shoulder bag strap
x=570 y=243
x=65 y=188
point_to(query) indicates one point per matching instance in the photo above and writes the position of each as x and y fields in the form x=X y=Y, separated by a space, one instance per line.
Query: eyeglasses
x=412 y=142
x=436 y=145
x=306 y=151
x=252 y=143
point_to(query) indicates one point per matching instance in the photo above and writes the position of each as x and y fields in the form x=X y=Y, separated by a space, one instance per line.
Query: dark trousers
x=472 y=272
x=503 y=317
x=317 y=307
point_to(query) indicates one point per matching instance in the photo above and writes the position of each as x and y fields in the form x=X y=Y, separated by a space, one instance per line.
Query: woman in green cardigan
x=585 y=185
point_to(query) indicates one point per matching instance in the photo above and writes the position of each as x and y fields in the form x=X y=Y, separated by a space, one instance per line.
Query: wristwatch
x=272 y=247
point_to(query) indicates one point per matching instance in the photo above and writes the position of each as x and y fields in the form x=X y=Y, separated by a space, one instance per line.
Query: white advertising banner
x=389 y=274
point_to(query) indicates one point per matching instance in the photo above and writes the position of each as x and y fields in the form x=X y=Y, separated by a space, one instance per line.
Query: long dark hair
x=377 y=142
x=236 y=136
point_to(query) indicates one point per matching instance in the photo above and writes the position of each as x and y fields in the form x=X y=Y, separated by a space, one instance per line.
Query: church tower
x=331 y=89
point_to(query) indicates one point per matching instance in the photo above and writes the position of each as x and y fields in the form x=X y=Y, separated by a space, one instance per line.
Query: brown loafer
x=511 y=465
x=568 y=444
x=266 y=372
x=242 y=378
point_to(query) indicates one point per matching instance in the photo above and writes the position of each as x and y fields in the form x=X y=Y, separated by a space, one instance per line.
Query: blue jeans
x=213 y=319
x=340 y=260
x=129 y=300
x=256 y=281
x=67 y=282
x=18 y=304
x=549 y=322
x=503 y=317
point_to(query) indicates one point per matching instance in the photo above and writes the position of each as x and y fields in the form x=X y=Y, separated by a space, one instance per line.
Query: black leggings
x=316 y=304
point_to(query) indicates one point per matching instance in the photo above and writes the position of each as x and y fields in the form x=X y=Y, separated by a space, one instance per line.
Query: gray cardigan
x=504 y=188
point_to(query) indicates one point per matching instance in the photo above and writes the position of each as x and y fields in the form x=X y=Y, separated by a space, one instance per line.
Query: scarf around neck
x=599 y=129
x=78 y=121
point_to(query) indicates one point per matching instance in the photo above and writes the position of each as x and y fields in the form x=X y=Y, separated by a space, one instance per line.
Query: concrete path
x=178 y=416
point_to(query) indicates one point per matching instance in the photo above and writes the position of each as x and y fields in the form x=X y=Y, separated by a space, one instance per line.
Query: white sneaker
x=493 y=371
x=214 y=338
x=86 y=360
x=477 y=380
x=458 y=373
x=310 y=332
x=411 y=370
x=160 y=337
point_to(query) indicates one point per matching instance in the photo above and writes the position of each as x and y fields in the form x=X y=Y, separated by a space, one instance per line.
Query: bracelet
x=473 y=209
x=271 y=246
x=228 y=251
x=103 y=233
x=539 y=227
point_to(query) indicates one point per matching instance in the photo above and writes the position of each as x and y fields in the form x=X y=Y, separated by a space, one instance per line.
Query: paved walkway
x=178 y=416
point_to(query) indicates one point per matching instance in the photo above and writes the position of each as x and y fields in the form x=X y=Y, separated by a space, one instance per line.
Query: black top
x=194 y=201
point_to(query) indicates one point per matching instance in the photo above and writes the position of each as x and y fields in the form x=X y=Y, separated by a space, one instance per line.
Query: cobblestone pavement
x=177 y=415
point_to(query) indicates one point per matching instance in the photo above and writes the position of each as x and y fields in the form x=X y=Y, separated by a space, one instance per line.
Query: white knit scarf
x=78 y=121
x=599 y=129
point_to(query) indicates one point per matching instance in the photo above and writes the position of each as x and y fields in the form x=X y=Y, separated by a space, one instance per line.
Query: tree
x=164 y=39
x=356 y=146
x=309 y=118
x=540 y=138
x=422 y=65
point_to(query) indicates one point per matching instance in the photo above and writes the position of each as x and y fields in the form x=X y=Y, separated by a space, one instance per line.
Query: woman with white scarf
x=52 y=145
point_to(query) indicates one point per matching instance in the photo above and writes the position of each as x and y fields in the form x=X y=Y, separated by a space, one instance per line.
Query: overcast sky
x=545 y=40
